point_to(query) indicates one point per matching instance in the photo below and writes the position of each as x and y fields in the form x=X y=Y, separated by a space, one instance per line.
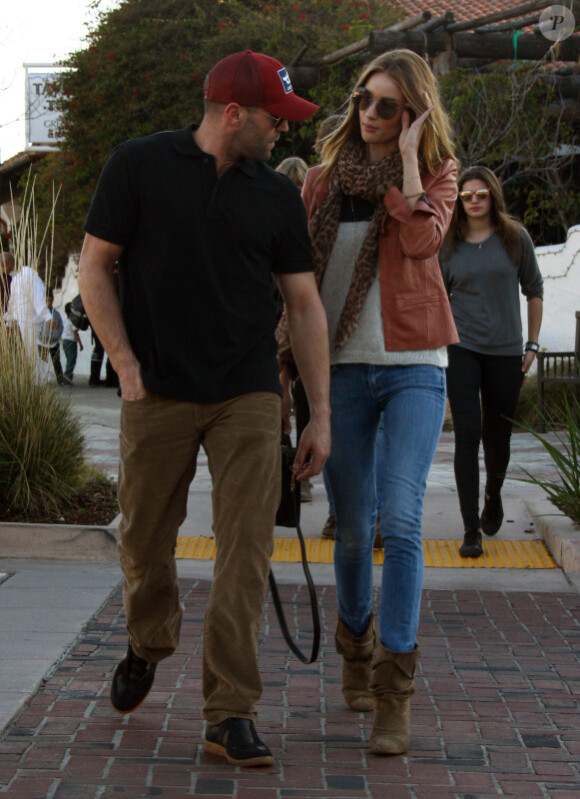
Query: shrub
x=41 y=442
x=556 y=395
x=565 y=492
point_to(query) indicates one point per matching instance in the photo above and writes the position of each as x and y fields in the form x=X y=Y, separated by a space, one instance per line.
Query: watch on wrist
x=532 y=345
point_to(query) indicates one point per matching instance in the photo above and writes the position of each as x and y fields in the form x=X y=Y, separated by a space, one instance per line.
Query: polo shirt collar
x=185 y=144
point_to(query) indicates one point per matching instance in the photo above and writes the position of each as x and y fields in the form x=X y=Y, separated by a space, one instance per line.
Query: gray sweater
x=483 y=285
x=366 y=344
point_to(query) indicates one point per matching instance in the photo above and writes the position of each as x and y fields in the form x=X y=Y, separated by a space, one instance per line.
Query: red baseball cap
x=259 y=81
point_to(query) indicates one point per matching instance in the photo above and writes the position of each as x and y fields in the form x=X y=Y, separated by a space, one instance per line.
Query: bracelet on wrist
x=410 y=196
x=532 y=346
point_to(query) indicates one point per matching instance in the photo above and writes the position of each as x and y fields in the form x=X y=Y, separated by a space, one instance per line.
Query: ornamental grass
x=563 y=449
x=42 y=460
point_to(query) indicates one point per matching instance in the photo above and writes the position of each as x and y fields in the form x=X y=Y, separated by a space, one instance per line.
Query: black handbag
x=288 y=515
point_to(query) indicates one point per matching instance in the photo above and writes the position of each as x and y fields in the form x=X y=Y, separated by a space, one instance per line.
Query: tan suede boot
x=357 y=657
x=392 y=686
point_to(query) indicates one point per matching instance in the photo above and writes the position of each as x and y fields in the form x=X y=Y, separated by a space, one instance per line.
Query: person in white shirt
x=27 y=307
x=71 y=341
x=49 y=339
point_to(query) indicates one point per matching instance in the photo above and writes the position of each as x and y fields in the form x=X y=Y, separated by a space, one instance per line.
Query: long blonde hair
x=414 y=78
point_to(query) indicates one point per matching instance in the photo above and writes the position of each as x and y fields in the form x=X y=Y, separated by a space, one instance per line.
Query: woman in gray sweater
x=486 y=259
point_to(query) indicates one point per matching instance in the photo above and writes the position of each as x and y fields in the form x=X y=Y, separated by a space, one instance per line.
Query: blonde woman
x=294 y=168
x=379 y=206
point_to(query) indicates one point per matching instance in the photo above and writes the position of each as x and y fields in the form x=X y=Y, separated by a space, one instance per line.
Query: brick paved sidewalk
x=496 y=712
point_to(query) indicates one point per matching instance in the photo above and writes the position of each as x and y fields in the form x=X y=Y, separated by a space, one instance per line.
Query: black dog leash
x=289 y=516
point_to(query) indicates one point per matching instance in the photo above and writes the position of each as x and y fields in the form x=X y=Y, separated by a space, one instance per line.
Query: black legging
x=498 y=379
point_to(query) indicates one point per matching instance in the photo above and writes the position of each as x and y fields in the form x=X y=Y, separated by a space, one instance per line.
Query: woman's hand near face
x=411 y=133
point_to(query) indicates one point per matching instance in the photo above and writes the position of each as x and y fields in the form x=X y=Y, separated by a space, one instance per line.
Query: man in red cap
x=199 y=224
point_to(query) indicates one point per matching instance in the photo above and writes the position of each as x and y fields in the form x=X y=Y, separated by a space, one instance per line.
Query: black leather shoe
x=132 y=682
x=471 y=547
x=492 y=515
x=237 y=740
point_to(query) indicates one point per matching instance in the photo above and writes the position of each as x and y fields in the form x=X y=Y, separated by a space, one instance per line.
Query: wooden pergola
x=509 y=35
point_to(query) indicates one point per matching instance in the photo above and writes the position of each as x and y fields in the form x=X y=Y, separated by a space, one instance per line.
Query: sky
x=35 y=32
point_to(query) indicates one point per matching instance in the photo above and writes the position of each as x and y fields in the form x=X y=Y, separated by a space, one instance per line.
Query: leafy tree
x=145 y=62
x=144 y=67
x=509 y=119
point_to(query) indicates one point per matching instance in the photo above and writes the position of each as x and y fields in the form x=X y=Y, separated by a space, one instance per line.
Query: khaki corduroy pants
x=159 y=444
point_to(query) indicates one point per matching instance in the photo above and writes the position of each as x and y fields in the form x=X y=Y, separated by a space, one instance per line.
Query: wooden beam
x=437 y=22
x=300 y=55
x=499 y=16
x=362 y=44
x=566 y=110
x=410 y=22
x=303 y=77
x=509 y=26
x=567 y=86
x=471 y=45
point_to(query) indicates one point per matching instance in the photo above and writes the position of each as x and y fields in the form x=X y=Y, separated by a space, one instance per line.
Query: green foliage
x=556 y=398
x=32 y=239
x=331 y=94
x=145 y=64
x=508 y=120
x=41 y=443
x=565 y=455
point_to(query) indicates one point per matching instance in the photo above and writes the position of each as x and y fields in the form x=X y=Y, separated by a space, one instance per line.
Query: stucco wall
x=560 y=267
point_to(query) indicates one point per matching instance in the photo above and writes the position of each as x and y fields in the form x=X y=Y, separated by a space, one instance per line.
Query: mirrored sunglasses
x=467 y=196
x=387 y=108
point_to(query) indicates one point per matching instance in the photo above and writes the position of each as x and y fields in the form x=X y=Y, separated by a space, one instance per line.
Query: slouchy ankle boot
x=392 y=686
x=357 y=657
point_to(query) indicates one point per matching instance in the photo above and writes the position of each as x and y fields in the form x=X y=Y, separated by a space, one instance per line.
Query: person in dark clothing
x=98 y=356
x=198 y=224
x=487 y=258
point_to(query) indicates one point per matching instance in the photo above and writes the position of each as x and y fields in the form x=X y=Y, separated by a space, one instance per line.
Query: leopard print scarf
x=354 y=177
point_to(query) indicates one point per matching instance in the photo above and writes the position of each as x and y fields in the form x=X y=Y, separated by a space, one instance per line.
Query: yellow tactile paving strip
x=442 y=554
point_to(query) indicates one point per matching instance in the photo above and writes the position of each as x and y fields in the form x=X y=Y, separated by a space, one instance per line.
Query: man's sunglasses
x=480 y=194
x=276 y=121
x=386 y=107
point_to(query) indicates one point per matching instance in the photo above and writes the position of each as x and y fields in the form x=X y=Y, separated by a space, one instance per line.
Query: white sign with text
x=42 y=118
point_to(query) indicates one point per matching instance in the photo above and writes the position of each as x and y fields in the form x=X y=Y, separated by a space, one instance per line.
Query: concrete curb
x=78 y=542
x=560 y=534
x=59 y=541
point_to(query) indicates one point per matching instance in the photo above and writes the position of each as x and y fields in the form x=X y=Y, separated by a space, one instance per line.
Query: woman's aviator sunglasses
x=480 y=194
x=385 y=106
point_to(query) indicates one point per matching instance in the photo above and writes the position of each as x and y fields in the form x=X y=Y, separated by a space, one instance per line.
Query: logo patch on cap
x=285 y=79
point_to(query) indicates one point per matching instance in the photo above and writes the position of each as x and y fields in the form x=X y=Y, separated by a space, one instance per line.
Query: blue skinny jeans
x=412 y=400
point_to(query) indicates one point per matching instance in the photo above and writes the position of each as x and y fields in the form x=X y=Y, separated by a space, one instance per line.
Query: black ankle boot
x=492 y=515
x=471 y=547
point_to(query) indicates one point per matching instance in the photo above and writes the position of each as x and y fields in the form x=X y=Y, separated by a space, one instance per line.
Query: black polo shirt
x=196 y=271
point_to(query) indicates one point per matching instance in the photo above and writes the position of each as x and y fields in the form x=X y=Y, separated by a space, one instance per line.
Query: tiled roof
x=21 y=159
x=462 y=10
